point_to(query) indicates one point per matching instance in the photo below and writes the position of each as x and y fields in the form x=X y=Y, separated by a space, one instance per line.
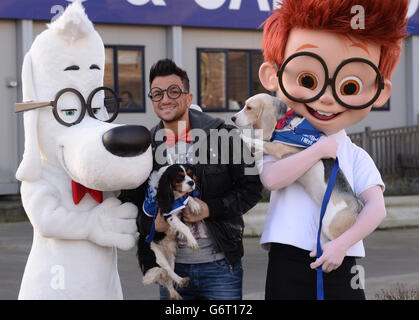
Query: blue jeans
x=209 y=281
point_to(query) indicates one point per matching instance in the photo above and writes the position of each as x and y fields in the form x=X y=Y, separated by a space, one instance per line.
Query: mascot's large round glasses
x=356 y=83
x=69 y=106
x=173 y=92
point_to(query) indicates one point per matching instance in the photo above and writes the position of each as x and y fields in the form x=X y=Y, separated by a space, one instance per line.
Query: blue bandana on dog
x=150 y=207
x=302 y=135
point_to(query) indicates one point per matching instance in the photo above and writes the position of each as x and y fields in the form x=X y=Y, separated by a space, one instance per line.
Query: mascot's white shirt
x=293 y=218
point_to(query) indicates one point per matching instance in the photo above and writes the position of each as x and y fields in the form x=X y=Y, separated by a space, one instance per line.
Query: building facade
x=216 y=41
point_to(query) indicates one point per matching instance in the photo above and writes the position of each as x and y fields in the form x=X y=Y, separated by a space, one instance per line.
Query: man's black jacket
x=224 y=186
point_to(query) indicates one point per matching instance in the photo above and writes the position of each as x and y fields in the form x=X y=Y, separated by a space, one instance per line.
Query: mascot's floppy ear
x=30 y=167
x=73 y=24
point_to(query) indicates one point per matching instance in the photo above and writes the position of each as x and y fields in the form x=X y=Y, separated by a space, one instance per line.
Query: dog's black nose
x=233 y=118
x=127 y=141
x=191 y=183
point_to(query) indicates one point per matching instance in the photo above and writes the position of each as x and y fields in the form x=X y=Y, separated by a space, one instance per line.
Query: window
x=124 y=72
x=227 y=78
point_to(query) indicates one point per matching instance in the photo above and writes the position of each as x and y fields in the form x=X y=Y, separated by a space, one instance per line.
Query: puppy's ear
x=266 y=120
x=280 y=107
x=165 y=197
x=30 y=167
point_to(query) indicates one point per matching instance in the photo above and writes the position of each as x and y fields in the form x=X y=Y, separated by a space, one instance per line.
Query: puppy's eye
x=249 y=108
x=72 y=68
x=94 y=66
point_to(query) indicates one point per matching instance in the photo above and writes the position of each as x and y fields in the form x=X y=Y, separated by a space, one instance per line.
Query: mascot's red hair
x=381 y=28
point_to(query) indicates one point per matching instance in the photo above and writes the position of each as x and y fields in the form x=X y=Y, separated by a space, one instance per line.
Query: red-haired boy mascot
x=330 y=68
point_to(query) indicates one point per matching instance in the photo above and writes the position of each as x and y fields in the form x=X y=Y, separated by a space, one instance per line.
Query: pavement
x=392 y=257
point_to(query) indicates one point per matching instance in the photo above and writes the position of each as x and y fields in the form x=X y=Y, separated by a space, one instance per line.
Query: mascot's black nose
x=127 y=141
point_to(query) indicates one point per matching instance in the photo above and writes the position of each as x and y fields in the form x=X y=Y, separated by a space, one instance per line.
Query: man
x=226 y=192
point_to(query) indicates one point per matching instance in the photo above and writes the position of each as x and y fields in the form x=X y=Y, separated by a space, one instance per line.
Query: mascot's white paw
x=114 y=224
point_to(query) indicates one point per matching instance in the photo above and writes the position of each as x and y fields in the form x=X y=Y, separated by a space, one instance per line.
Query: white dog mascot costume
x=74 y=250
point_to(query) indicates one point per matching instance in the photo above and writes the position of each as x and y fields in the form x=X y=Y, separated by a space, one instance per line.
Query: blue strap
x=326 y=198
x=303 y=135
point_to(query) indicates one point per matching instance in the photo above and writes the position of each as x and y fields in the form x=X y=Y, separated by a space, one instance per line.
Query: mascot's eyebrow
x=73 y=67
x=94 y=66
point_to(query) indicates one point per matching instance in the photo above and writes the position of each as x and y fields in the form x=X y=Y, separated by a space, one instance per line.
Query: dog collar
x=301 y=135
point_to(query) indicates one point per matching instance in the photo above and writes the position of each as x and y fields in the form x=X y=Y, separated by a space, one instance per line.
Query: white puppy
x=263 y=111
x=74 y=254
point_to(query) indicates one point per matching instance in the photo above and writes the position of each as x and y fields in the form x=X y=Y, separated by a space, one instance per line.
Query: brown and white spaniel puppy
x=175 y=185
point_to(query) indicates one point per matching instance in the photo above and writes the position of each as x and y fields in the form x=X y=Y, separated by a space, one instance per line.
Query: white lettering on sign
x=143 y=2
x=210 y=4
x=413 y=7
x=263 y=5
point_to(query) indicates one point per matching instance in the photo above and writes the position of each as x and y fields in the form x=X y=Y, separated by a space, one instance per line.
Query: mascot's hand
x=113 y=224
x=333 y=254
x=327 y=146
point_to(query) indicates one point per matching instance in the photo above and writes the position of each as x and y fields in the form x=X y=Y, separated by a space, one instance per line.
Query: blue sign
x=239 y=14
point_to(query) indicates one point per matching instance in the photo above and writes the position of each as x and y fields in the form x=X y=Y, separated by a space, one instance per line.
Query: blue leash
x=295 y=137
x=326 y=198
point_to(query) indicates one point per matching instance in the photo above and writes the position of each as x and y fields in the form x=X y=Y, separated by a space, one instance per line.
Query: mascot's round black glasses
x=356 y=84
x=69 y=106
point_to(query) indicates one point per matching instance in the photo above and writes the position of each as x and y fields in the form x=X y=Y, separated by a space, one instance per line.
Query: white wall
x=155 y=41
x=8 y=119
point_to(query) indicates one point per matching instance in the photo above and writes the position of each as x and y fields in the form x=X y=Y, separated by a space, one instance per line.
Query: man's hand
x=188 y=216
x=333 y=254
x=161 y=224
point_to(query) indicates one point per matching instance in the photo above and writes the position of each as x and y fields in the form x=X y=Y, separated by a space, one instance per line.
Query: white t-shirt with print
x=293 y=218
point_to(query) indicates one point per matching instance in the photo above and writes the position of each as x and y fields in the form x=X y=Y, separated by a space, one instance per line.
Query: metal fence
x=394 y=151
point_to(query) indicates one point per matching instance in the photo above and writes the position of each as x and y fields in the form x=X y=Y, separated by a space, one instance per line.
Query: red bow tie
x=171 y=139
x=80 y=190
x=281 y=122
